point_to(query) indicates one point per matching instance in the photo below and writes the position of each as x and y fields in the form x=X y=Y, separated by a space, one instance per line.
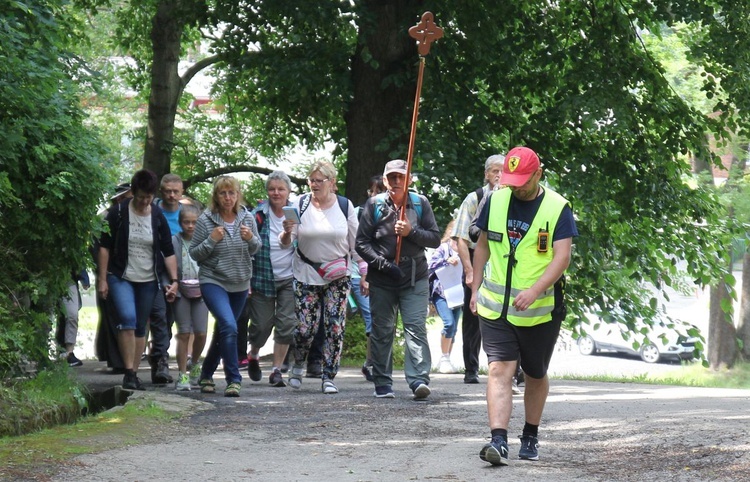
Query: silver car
x=662 y=343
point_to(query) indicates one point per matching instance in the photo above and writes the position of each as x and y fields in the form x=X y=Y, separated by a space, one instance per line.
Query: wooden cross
x=425 y=32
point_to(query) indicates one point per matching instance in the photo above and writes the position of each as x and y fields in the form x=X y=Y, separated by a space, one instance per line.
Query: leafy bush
x=355 y=342
x=52 y=176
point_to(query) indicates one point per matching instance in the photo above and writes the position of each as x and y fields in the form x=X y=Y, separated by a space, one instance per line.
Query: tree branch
x=197 y=67
x=225 y=170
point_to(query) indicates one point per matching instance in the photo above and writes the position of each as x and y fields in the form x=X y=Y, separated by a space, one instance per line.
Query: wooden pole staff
x=425 y=32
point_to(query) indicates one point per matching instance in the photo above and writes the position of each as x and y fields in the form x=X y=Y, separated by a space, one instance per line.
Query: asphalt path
x=591 y=431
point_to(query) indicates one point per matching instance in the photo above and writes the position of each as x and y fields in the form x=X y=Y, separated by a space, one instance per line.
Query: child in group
x=445 y=254
x=191 y=313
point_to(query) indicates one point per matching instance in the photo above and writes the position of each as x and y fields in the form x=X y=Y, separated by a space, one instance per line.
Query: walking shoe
x=207 y=385
x=328 y=387
x=445 y=365
x=276 y=379
x=160 y=371
x=243 y=362
x=183 y=383
x=132 y=382
x=529 y=445
x=284 y=367
x=295 y=379
x=384 y=391
x=471 y=378
x=232 y=390
x=73 y=361
x=495 y=452
x=367 y=372
x=314 y=370
x=421 y=391
x=195 y=375
x=514 y=387
x=253 y=369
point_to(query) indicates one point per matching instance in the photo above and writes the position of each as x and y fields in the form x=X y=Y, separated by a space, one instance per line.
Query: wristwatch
x=174 y=280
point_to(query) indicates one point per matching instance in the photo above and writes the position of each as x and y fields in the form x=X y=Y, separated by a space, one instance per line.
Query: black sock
x=529 y=429
x=130 y=372
x=500 y=432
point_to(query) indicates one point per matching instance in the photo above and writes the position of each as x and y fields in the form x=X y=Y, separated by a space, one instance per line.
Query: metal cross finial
x=425 y=32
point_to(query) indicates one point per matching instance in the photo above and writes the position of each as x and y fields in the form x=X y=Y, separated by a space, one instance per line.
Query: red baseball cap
x=520 y=164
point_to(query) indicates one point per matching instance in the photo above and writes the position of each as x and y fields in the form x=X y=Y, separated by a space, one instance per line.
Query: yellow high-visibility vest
x=530 y=262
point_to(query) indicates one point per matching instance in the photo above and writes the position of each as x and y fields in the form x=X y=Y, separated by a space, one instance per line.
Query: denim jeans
x=386 y=302
x=132 y=302
x=449 y=316
x=226 y=308
x=363 y=303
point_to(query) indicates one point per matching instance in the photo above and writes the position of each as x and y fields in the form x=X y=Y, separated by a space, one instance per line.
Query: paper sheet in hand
x=450 y=277
x=290 y=212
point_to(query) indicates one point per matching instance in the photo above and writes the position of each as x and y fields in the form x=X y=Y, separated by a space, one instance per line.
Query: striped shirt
x=466 y=214
x=228 y=263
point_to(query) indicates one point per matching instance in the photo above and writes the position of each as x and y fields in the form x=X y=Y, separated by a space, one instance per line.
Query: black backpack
x=474 y=231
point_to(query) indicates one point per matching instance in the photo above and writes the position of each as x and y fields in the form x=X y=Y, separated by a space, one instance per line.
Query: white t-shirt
x=140 y=268
x=281 y=259
x=324 y=235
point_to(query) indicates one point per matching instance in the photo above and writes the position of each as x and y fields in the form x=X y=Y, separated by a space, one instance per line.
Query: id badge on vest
x=495 y=236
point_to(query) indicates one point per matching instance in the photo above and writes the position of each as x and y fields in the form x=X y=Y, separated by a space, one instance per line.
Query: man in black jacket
x=398 y=285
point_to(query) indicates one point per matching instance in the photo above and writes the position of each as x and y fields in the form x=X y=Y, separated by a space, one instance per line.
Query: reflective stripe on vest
x=530 y=263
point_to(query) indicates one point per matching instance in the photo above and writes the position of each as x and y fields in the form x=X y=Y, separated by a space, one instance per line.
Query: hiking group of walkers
x=289 y=267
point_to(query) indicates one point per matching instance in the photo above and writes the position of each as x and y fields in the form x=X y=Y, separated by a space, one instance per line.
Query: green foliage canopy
x=52 y=175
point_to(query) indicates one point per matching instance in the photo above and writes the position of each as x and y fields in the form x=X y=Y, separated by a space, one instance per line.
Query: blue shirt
x=520 y=216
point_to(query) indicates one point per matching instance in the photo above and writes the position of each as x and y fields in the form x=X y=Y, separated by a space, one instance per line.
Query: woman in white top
x=325 y=246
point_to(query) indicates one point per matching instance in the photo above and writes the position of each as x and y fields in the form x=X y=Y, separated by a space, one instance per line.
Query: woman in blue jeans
x=445 y=255
x=225 y=240
x=133 y=257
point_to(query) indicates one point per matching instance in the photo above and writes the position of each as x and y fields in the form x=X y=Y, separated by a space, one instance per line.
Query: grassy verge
x=42 y=453
x=694 y=375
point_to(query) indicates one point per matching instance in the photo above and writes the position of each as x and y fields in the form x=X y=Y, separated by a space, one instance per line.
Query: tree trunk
x=743 y=328
x=166 y=87
x=722 y=347
x=377 y=121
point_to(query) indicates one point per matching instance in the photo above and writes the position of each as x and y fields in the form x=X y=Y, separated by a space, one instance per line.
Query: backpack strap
x=479 y=193
x=416 y=202
x=304 y=203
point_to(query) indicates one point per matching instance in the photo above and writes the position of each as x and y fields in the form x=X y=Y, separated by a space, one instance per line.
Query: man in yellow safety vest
x=520 y=259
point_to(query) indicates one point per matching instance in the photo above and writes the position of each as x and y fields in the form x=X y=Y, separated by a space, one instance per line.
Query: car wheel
x=586 y=345
x=650 y=353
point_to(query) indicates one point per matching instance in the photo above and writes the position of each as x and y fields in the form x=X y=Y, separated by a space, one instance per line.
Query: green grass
x=41 y=453
x=693 y=375
x=51 y=398
x=88 y=318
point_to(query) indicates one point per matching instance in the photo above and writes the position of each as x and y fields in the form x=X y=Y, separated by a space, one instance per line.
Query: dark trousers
x=243 y=322
x=159 y=327
x=315 y=355
x=472 y=337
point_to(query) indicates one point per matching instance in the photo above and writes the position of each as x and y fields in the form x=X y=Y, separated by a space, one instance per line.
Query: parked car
x=601 y=336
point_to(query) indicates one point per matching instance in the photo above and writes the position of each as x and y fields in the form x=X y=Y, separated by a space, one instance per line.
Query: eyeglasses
x=317 y=181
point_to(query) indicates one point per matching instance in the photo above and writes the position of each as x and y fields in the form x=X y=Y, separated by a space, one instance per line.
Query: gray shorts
x=190 y=315
x=533 y=345
x=273 y=312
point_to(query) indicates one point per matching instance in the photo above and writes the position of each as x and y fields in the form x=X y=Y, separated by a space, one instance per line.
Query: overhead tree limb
x=225 y=170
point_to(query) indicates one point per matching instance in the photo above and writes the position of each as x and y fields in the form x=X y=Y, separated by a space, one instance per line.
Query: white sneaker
x=295 y=376
x=445 y=365
x=514 y=387
x=329 y=388
x=183 y=383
